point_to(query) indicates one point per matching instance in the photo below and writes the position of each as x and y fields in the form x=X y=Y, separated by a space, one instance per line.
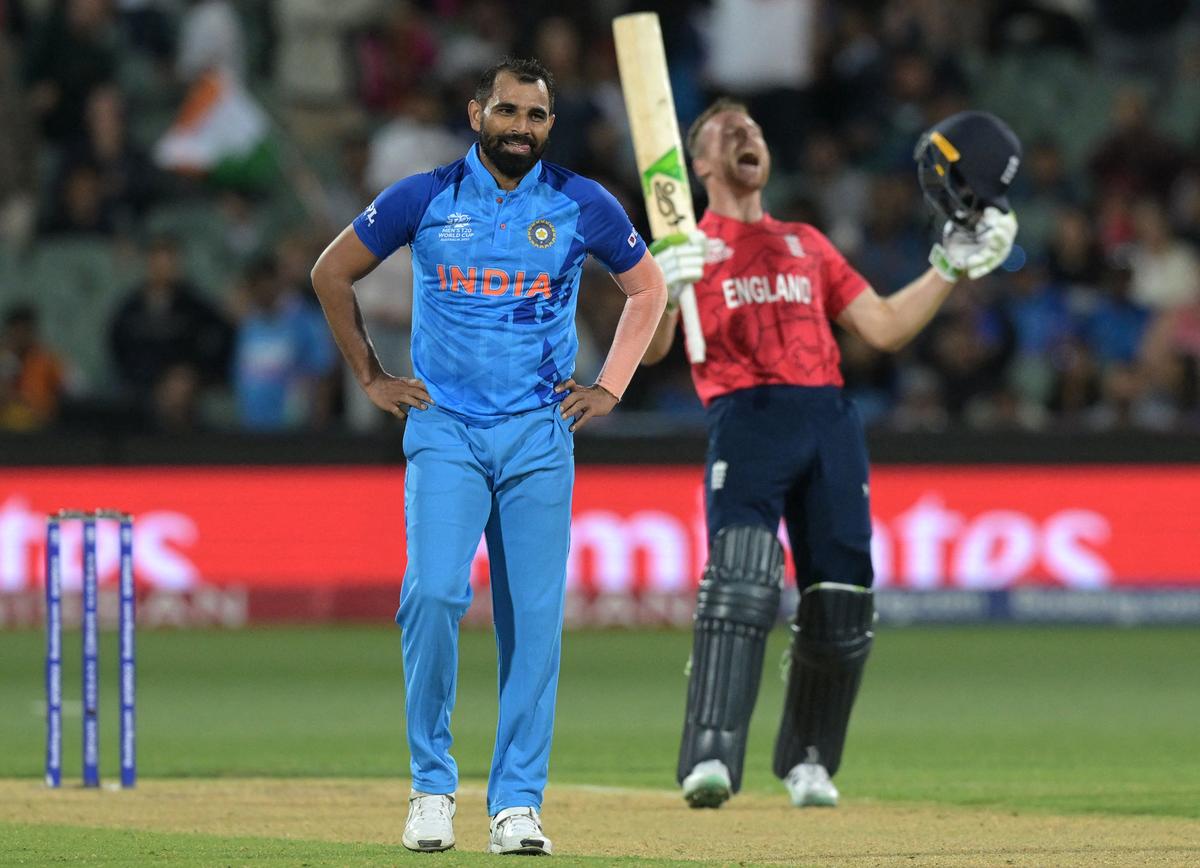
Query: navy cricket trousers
x=796 y=453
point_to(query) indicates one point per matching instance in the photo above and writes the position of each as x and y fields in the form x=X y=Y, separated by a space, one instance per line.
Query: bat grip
x=693 y=334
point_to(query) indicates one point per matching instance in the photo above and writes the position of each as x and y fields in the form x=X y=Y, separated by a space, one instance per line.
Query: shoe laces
x=431 y=807
x=523 y=824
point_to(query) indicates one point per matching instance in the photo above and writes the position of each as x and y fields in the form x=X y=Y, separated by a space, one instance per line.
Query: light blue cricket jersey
x=496 y=277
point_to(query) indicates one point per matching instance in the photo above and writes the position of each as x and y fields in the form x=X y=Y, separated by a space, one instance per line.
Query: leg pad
x=736 y=608
x=831 y=641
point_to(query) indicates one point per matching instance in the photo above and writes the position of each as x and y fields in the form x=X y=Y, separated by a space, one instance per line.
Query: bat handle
x=693 y=333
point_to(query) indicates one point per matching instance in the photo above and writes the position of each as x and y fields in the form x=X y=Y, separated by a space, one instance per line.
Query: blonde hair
x=723 y=104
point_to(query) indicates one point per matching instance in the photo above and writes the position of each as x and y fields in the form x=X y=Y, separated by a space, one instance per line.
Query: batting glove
x=681 y=258
x=975 y=253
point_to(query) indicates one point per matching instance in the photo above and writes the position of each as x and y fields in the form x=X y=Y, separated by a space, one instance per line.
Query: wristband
x=941 y=264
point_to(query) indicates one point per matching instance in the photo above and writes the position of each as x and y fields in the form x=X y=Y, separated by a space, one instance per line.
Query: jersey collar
x=765 y=220
x=479 y=170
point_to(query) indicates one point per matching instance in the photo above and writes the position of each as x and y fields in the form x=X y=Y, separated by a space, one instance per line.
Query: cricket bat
x=656 y=143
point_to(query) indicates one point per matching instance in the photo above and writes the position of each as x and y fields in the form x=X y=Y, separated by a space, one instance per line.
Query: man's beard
x=510 y=164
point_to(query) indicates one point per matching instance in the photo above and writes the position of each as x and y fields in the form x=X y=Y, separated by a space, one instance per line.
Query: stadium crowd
x=169 y=171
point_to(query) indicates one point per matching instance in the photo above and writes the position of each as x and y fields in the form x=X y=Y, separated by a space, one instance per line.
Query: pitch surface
x=282 y=746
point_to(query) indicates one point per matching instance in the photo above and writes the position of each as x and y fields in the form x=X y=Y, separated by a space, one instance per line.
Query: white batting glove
x=681 y=258
x=975 y=253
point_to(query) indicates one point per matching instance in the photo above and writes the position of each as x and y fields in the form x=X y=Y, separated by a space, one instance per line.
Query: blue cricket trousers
x=798 y=452
x=511 y=482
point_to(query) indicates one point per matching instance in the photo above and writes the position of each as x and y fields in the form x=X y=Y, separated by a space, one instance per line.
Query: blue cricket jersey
x=496 y=277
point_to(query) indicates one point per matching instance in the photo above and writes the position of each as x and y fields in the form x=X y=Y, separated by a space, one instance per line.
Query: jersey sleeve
x=842 y=283
x=391 y=221
x=609 y=233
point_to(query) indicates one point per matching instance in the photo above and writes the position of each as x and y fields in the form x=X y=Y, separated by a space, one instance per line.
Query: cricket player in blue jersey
x=498 y=241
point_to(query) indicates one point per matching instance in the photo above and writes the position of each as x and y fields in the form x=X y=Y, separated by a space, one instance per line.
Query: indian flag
x=220 y=133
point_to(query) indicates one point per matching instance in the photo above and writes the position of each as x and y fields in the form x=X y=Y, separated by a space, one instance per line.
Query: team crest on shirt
x=541 y=233
x=458 y=227
x=716 y=251
x=793 y=245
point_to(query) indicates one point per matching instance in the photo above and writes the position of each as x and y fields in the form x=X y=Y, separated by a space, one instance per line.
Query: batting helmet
x=965 y=163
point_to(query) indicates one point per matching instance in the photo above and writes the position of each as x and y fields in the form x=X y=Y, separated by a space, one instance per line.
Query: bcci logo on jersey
x=457 y=228
x=541 y=233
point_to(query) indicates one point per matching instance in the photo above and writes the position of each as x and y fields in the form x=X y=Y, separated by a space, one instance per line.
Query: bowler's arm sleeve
x=646 y=298
x=391 y=221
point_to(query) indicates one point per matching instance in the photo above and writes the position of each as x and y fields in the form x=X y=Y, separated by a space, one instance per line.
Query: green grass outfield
x=1063 y=720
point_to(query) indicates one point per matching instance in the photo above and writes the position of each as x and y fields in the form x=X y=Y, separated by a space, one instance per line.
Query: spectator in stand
x=1043 y=324
x=970 y=348
x=220 y=132
x=79 y=206
x=72 y=54
x=1045 y=175
x=345 y=194
x=870 y=378
x=855 y=84
x=1166 y=270
x=243 y=226
x=1074 y=256
x=921 y=405
x=1076 y=387
x=1140 y=38
x=284 y=356
x=922 y=90
x=167 y=342
x=1127 y=402
x=210 y=37
x=893 y=246
x=32 y=378
x=415 y=140
x=314 y=70
x=1043 y=188
x=558 y=46
x=18 y=155
x=147 y=26
x=1135 y=160
x=766 y=55
x=125 y=174
x=1116 y=327
x=1032 y=25
x=840 y=191
x=481 y=31
x=396 y=57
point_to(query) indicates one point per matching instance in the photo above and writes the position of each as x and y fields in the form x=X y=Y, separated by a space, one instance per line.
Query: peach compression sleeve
x=646 y=299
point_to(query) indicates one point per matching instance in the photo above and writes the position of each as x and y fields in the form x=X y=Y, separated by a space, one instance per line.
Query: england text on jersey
x=764 y=289
x=769 y=291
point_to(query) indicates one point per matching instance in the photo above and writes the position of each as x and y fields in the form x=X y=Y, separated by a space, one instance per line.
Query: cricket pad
x=831 y=639
x=737 y=605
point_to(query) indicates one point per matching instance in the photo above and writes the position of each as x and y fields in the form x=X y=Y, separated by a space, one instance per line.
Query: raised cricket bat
x=657 y=145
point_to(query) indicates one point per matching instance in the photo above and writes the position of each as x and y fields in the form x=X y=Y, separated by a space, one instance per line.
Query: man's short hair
x=723 y=104
x=527 y=70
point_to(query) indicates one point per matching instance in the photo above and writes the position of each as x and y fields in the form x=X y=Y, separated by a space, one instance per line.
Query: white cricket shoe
x=518 y=831
x=430 y=825
x=808 y=784
x=708 y=785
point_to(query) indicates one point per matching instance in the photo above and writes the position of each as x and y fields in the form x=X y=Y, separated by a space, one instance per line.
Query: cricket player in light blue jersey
x=498 y=241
